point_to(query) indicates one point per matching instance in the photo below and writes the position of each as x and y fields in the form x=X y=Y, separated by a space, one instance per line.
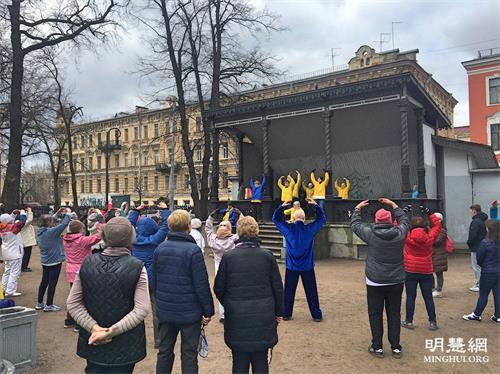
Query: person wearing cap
x=286 y=186
x=384 y=271
x=77 y=247
x=299 y=242
x=94 y=218
x=196 y=234
x=29 y=240
x=51 y=256
x=183 y=298
x=109 y=300
x=439 y=258
x=220 y=241
x=12 y=250
x=149 y=235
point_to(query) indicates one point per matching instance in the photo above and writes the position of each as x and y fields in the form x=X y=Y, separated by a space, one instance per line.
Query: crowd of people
x=121 y=264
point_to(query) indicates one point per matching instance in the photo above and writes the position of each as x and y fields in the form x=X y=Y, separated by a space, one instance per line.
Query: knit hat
x=6 y=218
x=196 y=223
x=118 y=232
x=75 y=227
x=383 y=216
x=92 y=220
x=439 y=216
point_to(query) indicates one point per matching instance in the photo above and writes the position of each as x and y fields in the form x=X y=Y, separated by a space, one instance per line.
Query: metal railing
x=483 y=53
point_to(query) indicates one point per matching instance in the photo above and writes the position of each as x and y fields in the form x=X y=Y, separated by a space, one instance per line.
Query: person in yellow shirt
x=286 y=186
x=291 y=211
x=320 y=185
x=343 y=188
x=309 y=188
x=296 y=186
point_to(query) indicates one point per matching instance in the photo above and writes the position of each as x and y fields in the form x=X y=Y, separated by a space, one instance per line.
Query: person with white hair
x=12 y=250
x=196 y=234
x=220 y=241
x=299 y=239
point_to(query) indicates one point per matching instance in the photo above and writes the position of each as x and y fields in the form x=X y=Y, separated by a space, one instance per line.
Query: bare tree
x=205 y=69
x=36 y=25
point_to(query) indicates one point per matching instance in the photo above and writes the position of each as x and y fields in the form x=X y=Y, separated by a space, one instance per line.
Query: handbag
x=203 y=344
x=449 y=245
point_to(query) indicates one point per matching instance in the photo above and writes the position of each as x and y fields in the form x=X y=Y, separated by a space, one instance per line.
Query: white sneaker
x=474 y=289
x=15 y=294
x=437 y=293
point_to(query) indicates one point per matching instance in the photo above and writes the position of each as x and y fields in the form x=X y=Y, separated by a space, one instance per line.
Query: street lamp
x=107 y=148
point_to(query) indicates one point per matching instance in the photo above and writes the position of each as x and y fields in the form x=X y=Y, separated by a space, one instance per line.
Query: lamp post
x=107 y=149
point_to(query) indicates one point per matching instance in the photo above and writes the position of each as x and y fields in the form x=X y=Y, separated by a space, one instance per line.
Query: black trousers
x=98 y=369
x=190 y=334
x=257 y=211
x=50 y=277
x=26 y=258
x=242 y=361
x=390 y=297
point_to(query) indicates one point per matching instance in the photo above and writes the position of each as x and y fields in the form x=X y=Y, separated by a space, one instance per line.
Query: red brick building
x=484 y=98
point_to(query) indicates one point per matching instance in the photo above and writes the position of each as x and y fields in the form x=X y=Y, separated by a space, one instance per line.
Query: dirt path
x=337 y=345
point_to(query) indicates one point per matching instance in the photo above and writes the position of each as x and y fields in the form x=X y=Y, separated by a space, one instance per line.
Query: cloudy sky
x=446 y=33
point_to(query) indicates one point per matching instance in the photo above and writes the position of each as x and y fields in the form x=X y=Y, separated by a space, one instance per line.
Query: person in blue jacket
x=149 y=235
x=494 y=209
x=49 y=238
x=257 y=194
x=299 y=239
x=230 y=214
x=488 y=257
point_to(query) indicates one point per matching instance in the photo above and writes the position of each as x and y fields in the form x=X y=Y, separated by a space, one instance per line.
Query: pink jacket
x=77 y=247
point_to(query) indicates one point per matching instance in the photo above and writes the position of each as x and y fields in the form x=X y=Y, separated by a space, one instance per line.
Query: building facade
x=484 y=98
x=141 y=167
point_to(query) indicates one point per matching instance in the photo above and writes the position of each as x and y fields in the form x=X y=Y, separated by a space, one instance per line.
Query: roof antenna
x=333 y=55
x=381 y=41
x=392 y=30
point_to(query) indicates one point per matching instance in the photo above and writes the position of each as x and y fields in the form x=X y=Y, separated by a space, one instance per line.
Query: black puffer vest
x=108 y=284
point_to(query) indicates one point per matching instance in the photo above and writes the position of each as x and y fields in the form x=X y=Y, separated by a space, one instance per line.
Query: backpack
x=449 y=245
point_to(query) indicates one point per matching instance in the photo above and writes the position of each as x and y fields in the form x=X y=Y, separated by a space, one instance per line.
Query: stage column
x=264 y=125
x=327 y=122
x=405 y=159
x=422 y=192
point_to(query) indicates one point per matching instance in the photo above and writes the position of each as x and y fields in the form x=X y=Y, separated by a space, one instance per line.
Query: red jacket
x=418 y=248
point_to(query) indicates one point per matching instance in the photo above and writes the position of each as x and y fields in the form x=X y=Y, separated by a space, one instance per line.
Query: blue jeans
x=309 y=283
x=321 y=203
x=426 y=282
x=488 y=282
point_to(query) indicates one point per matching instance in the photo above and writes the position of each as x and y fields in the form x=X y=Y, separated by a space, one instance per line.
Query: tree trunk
x=67 y=125
x=12 y=182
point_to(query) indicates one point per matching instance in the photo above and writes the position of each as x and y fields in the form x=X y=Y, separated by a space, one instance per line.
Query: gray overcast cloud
x=445 y=32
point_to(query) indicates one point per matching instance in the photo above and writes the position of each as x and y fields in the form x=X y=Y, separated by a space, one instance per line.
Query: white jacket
x=12 y=243
x=28 y=232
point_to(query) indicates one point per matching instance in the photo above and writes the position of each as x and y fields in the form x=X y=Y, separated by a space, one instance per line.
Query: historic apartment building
x=141 y=167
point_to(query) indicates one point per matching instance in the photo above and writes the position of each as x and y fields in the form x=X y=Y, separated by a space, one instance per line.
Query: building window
x=145 y=132
x=186 y=181
x=117 y=185
x=146 y=182
x=82 y=141
x=494 y=90
x=67 y=187
x=99 y=140
x=198 y=124
x=91 y=141
x=156 y=130
x=145 y=158
x=91 y=187
x=126 y=135
x=98 y=185
x=225 y=151
x=99 y=158
x=155 y=183
x=82 y=164
x=125 y=184
x=117 y=161
x=495 y=136
x=136 y=159
x=82 y=186
x=225 y=180
x=125 y=159
x=75 y=145
x=157 y=156
x=91 y=163
x=136 y=133
x=198 y=154
x=136 y=183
